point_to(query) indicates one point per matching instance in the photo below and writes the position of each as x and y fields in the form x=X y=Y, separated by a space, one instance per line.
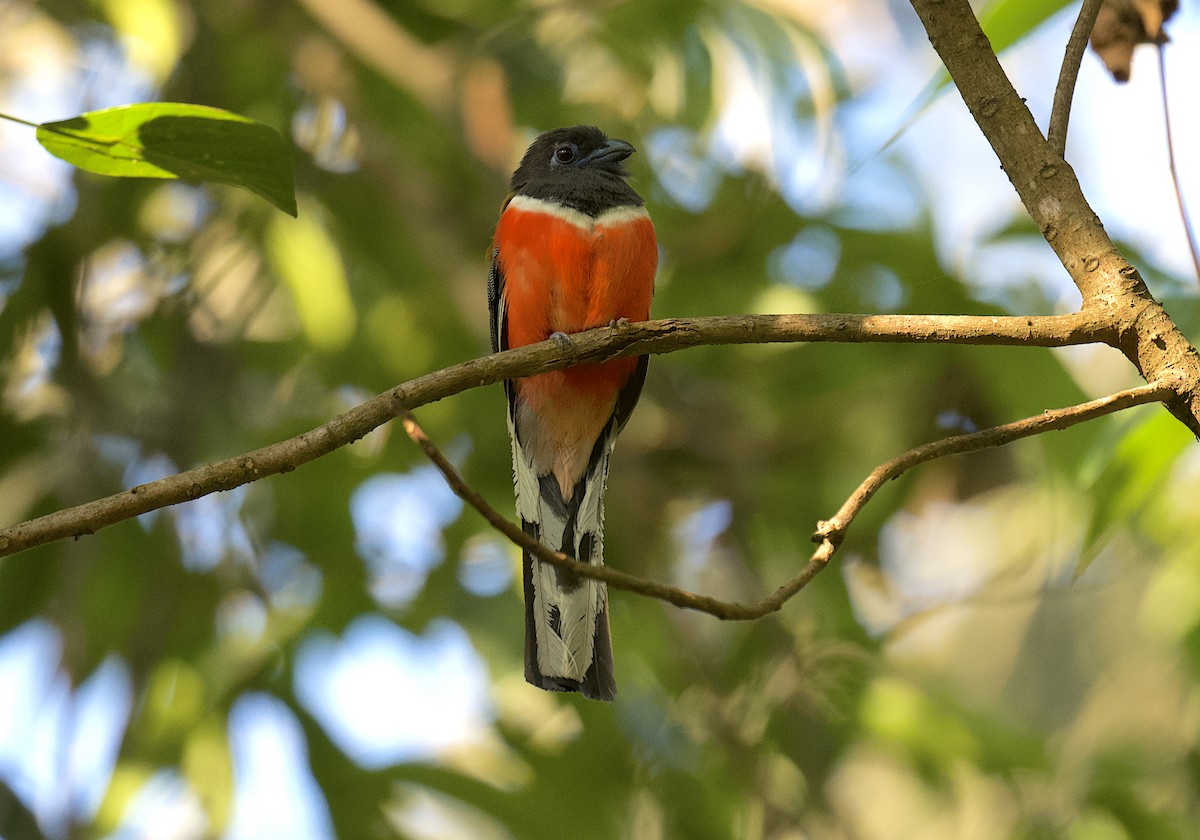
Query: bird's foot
x=564 y=341
x=618 y=322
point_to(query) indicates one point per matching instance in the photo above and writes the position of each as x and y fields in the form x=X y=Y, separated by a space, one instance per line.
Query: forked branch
x=595 y=345
x=1060 y=112
x=1052 y=196
x=829 y=533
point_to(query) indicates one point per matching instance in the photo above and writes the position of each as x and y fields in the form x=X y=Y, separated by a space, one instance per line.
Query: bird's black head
x=578 y=167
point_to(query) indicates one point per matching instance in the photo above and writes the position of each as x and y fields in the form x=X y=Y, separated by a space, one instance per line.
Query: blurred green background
x=1005 y=647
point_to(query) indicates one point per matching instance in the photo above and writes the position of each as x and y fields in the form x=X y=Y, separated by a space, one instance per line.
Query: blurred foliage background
x=1007 y=645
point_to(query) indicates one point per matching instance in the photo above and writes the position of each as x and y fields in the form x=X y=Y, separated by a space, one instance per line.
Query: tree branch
x=1188 y=230
x=834 y=529
x=1051 y=194
x=1060 y=112
x=653 y=337
x=830 y=532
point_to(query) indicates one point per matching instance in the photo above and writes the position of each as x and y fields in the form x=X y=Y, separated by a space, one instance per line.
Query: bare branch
x=830 y=532
x=1060 y=112
x=1051 y=194
x=833 y=530
x=1188 y=230
x=595 y=345
x=613 y=577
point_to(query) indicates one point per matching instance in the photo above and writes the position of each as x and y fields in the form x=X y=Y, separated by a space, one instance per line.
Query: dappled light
x=1003 y=645
x=399 y=521
x=387 y=696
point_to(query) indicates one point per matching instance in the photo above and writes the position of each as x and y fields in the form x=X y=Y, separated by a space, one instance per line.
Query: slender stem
x=74 y=135
x=830 y=532
x=18 y=120
x=1193 y=247
x=1051 y=420
x=1060 y=113
x=595 y=345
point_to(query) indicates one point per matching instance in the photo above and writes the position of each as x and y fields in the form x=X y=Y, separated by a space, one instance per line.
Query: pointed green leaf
x=175 y=140
x=1005 y=22
x=1134 y=474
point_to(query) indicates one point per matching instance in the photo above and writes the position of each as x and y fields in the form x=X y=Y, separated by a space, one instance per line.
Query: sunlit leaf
x=151 y=31
x=176 y=140
x=307 y=259
x=1007 y=21
x=1135 y=474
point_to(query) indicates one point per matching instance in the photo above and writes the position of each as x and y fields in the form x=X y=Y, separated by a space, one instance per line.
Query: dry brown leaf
x=1123 y=24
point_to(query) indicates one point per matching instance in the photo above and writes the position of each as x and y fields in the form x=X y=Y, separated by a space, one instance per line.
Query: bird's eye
x=564 y=154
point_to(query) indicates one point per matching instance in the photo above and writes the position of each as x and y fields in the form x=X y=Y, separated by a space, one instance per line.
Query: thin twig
x=614 y=577
x=1060 y=112
x=834 y=529
x=592 y=346
x=18 y=120
x=830 y=533
x=1183 y=213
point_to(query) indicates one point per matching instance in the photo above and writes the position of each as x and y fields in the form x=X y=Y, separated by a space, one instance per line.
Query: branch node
x=830 y=531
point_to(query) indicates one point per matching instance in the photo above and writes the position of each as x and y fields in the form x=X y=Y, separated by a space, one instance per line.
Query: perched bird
x=574 y=249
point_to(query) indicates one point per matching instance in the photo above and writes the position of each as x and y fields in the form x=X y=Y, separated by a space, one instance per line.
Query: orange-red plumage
x=574 y=249
x=561 y=276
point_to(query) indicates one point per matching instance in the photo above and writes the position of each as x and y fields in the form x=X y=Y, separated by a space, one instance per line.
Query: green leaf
x=1007 y=21
x=1131 y=480
x=176 y=140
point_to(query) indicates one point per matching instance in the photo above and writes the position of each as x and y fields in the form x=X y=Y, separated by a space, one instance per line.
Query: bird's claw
x=618 y=322
x=563 y=341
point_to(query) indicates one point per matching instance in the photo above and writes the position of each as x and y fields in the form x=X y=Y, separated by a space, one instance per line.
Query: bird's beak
x=611 y=153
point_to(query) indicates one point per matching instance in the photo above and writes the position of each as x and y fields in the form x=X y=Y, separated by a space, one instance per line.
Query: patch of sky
x=289 y=580
x=322 y=128
x=209 y=529
x=957 y=422
x=165 y=806
x=486 y=566
x=105 y=75
x=58 y=747
x=173 y=212
x=117 y=293
x=386 y=695
x=275 y=795
x=881 y=289
x=809 y=261
x=879 y=197
x=685 y=174
x=398 y=521
x=695 y=535
x=1021 y=274
x=47 y=352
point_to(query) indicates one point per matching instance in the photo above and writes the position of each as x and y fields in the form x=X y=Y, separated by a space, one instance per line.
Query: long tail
x=568 y=646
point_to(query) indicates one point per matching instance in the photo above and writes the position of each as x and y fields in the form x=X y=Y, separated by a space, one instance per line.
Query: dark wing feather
x=498 y=319
x=497 y=311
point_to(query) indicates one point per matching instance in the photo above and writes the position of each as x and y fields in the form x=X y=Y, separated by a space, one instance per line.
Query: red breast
x=566 y=271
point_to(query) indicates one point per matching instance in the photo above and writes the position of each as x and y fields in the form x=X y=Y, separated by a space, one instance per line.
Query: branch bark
x=830 y=532
x=1060 y=111
x=1117 y=310
x=1048 y=188
x=652 y=337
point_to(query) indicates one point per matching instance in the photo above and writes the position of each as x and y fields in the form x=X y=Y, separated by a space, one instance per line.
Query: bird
x=574 y=249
